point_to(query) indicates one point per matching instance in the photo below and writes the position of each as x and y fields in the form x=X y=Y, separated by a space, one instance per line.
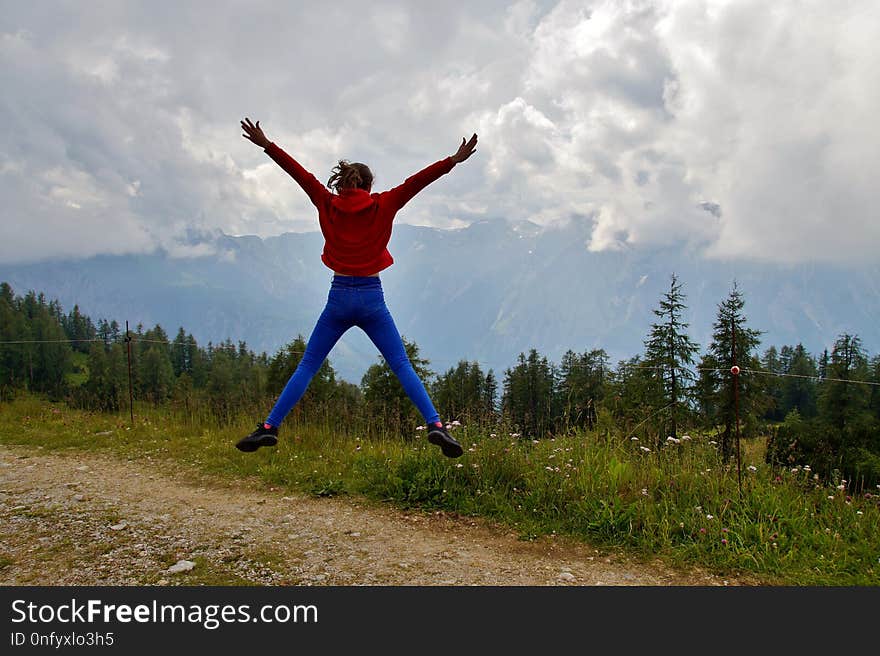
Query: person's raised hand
x=254 y=133
x=465 y=150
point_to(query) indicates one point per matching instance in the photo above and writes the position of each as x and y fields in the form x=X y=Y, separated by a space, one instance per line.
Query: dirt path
x=86 y=519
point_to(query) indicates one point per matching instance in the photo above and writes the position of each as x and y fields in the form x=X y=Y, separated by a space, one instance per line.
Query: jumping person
x=356 y=225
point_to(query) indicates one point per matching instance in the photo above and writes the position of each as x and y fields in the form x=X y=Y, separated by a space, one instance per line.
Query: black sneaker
x=441 y=437
x=261 y=437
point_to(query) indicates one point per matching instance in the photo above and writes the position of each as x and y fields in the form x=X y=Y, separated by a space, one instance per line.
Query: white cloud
x=741 y=128
x=779 y=133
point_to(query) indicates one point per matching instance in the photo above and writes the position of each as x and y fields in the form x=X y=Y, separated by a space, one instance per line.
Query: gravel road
x=77 y=518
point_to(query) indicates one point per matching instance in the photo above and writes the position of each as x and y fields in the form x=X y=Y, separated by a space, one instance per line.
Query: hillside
x=485 y=292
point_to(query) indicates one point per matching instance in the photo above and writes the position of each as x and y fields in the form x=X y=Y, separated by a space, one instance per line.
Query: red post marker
x=734 y=370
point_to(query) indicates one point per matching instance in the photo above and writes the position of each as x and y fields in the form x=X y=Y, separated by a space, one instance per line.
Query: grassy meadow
x=678 y=502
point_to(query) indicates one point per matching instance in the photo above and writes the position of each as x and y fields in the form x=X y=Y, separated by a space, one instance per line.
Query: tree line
x=814 y=407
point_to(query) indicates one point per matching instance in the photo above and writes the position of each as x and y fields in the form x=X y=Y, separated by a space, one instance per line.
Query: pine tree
x=95 y=384
x=527 y=400
x=730 y=318
x=490 y=395
x=221 y=382
x=799 y=389
x=13 y=328
x=706 y=389
x=117 y=375
x=773 y=362
x=107 y=385
x=198 y=362
x=49 y=357
x=79 y=329
x=155 y=372
x=581 y=388
x=874 y=402
x=460 y=393
x=671 y=351
x=180 y=359
x=104 y=333
x=633 y=395
x=842 y=403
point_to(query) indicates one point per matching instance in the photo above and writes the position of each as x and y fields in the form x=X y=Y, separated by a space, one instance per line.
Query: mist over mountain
x=486 y=292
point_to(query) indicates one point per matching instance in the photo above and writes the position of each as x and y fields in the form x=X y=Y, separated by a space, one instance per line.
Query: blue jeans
x=354 y=301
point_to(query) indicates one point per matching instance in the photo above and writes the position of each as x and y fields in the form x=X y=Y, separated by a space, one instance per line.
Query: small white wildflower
x=831 y=496
x=752 y=468
x=685 y=437
x=713 y=442
x=858 y=512
x=458 y=465
x=843 y=481
x=710 y=517
x=644 y=491
x=698 y=508
x=548 y=468
x=448 y=426
x=794 y=470
x=841 y=487
x=492 y=435
x=807 y=468
x=534 y=441
x=420 y=427
x=645 y=449
x=456 y=422
x=634 y=439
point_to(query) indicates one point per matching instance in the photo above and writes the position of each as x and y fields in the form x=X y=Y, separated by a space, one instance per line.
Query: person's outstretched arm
x=316 y=192
x=402 y=194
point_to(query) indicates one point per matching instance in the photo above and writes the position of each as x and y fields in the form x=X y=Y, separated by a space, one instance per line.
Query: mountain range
x=485 y=292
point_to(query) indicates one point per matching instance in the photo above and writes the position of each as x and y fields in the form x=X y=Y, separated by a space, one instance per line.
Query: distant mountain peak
x=495 y=299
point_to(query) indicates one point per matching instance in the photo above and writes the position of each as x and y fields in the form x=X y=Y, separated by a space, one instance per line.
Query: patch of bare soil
x=86 y=519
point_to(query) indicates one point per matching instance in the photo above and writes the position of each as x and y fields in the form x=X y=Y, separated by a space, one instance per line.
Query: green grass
x=680 y=504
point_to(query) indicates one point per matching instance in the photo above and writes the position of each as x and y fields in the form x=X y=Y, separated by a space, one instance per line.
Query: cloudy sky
x=740 y=129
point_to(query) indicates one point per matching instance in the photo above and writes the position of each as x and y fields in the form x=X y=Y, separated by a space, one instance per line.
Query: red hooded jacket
x=357 y=224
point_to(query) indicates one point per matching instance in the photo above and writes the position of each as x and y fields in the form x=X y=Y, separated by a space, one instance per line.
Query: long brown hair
x=350 y=175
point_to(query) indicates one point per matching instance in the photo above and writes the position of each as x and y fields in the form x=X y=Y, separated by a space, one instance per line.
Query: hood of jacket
x=351 y=201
